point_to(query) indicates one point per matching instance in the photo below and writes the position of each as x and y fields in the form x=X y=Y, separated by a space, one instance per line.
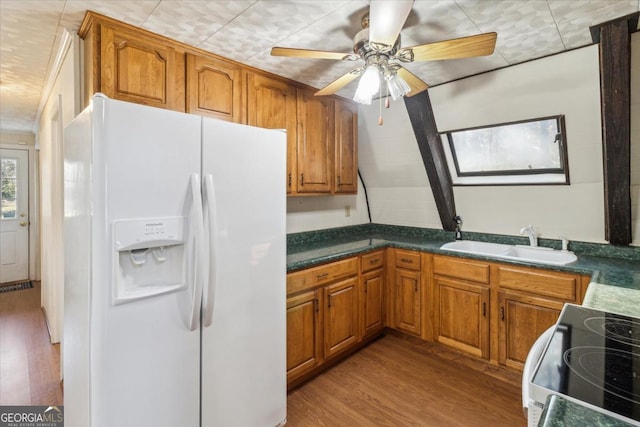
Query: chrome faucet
x=531 y=232
x=458 y=221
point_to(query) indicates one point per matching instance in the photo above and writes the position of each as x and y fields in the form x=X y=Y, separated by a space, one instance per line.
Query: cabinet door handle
x=366 y=287
x=339 y=182
x=415 y=286
x=316 y=304
x=289 y=179
x=329 y=301
x=322 y=276
x=502 y=313
x=484 y=309
x=301 y=180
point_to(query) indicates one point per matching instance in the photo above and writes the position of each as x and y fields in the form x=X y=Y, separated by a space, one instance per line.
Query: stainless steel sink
x=516 y=252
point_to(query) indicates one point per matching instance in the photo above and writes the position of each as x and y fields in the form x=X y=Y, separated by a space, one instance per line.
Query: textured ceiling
x=245 y=30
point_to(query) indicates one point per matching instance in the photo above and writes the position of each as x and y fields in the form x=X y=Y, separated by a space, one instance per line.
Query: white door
x=14 y=216
x=244 y=337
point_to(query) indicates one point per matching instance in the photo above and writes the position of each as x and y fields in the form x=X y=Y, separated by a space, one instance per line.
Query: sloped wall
x=562 y=84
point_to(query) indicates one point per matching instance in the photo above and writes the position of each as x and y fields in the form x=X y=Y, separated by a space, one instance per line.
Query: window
x=8 y=178
x=518 y=153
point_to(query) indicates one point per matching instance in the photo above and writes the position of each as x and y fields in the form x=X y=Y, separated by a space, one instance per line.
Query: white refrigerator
x=175 y=252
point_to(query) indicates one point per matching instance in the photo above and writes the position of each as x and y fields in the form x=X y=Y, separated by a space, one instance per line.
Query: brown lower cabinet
x=304 y=333
x=462 y=316
x=331 y=310
x=523 y=318
x=489 y=310
x=341 y=328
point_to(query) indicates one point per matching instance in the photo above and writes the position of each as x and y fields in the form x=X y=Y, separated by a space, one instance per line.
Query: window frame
x=476 y=178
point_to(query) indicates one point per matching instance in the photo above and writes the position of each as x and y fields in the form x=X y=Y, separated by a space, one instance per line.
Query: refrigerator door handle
x=211 y=218
x=197 y=226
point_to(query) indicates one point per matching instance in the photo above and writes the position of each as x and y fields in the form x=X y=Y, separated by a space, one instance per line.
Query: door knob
x=23 y=223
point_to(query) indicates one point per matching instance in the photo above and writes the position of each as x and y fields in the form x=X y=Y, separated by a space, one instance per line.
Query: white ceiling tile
x=264 y=24
x=432 y=21
x=508 y=16
x=131 y=12
x=574 y=18
x=192 y=22
x=246 y=30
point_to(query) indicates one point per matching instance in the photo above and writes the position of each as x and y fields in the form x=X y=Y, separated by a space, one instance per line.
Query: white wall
x=320 y=212
x=635 y=137
x=562 y=84
x=59 y=109
x=566 y=84
x=392 y=168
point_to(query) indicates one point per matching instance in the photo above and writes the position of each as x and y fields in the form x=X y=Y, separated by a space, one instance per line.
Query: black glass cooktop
x=594 y=357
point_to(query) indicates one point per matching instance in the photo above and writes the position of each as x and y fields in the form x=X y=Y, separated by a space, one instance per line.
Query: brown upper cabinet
x=315 y=143
x=346 y=148
x=214 y=88
x=131 y=64
x=132 y=67
x=271 y=104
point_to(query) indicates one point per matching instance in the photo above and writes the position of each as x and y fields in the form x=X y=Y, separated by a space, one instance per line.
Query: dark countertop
x=560 y=412
x=614 y=286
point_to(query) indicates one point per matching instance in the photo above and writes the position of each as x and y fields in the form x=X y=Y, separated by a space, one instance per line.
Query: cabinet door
x=407 y=301
x=340 y=316
x=315 y=143
x=523 y=318
x=304 y=334
x=271 y=104
x=462 y=315
x=138 y=69
x=346 y=148
x=214 y=88
x=372 y=302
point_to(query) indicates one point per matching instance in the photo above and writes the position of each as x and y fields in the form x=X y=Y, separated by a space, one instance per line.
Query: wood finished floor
x=29 y=363
x=394 y=381
x=397 y=381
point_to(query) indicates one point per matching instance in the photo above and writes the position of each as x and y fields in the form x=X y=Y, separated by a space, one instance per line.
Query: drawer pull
x=374 y=261
x=407 y=260
x=322 y=276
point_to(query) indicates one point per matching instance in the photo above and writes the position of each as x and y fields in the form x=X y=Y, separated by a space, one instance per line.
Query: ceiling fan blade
x=308 y=53
x=414 y=82
x=340 y=82
x=464 y=47
x=386 y=19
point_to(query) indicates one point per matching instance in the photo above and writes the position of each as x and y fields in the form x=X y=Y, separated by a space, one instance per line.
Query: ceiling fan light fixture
x=397 y=86
x=368 y=85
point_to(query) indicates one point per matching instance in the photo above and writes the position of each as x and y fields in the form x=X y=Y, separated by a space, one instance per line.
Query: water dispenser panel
x=149 y=257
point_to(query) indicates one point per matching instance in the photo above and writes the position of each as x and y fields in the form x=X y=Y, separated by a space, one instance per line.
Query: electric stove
x=593 y=358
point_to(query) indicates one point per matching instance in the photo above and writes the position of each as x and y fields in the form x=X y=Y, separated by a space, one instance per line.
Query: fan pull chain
x=380 y=104
x=386 y=100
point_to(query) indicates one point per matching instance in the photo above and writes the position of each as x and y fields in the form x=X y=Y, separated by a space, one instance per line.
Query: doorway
x=14 y=215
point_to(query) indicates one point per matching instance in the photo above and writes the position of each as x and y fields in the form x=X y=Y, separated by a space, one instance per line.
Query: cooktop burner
x=588 y=363
x=593 y=357
x=626 y=331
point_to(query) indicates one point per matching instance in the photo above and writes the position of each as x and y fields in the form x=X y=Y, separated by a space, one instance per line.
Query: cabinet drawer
x=408 y=259
x=372 y=261
x=323 y=274
x=540 y=282
x=461 y=268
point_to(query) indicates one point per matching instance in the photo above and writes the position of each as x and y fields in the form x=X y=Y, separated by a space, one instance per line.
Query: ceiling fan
x=378 y=44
